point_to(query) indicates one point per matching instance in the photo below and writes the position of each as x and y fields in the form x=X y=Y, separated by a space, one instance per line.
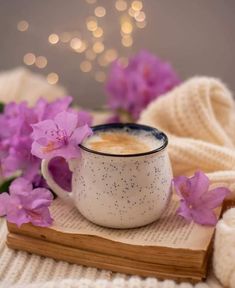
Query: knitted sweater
x=199 y=118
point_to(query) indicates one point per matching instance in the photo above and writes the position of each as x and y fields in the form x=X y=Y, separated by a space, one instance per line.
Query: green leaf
x=1 y=107
x=4 y=187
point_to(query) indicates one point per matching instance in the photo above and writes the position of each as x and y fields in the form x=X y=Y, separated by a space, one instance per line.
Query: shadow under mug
x=119 y=191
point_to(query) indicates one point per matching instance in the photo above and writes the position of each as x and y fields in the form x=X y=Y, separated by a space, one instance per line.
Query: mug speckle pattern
x=122 y=192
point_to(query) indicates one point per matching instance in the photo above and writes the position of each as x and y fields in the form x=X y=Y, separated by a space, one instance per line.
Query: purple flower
x=144 y=79
x=45 y=110
x=60 y=172
x=197 y=203
x=25 y=204
x=59 y=137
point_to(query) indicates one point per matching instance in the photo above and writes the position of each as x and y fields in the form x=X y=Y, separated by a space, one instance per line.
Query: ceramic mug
x=119 y=191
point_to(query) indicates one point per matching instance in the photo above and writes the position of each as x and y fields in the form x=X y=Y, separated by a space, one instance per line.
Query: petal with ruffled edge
x=67 y=122
x=40 y=217
x=4 y=200
x=20 y=186
x=214 y=198
x=80 y=134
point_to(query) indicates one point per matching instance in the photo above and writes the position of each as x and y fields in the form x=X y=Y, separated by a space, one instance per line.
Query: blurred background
x=73 y=42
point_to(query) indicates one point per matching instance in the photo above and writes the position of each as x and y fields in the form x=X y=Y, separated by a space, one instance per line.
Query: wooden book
x=168 y=248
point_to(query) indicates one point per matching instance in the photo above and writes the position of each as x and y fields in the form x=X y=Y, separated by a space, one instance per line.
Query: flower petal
x=182 y=186
x=204 y=217
x=41 y=130
x=41 y=217
x=184 y=211
x=81 y=133
x=20 y=186
x=199 y=185
x=67 y=121
x=214 y=198
x=4 y=200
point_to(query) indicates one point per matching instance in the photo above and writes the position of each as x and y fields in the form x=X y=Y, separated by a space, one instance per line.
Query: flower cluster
x=130 y=89
x=197 y=202
x=28 y=135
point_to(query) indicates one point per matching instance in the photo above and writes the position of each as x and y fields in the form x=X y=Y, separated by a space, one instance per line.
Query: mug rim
x=157 y=133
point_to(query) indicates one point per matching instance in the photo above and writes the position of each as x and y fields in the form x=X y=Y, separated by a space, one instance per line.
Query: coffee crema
x=123 y=142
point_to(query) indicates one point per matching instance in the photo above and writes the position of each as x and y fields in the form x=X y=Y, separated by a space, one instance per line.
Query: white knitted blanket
x=192 y=142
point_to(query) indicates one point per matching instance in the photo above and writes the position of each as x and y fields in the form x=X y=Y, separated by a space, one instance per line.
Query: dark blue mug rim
x=155 y=132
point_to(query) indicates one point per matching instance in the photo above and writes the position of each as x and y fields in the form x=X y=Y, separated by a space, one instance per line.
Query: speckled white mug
x=119 y=191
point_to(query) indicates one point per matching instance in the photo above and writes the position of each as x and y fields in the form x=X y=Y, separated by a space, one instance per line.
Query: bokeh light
x=52 y=78
x=53 y=38
x=22 y=26
x=121 y=5
x=29 y=59
x=41 y=62
x=98 y=47
x=85 y=66
x=100 y=76
x=100 y=11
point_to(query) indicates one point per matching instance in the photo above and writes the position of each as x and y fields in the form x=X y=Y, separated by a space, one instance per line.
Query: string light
x=126 y=27
x=65 y=37
x=82 y=48
x=100 y=11
x=121 y=5
x=41 y=62
x=127 y=41
x=29 y=59
x=100 y=76
x=98 y=47
x=22 y=25
x=85 y=66
x=140 y=17
x=52 y=78
x=91 y=24
x=137 y=5
x=123 y=61
x=90 y=55
x=98 y=32
x=141 y=25
x=53 y=38
x=75 y=43
x=110 y=55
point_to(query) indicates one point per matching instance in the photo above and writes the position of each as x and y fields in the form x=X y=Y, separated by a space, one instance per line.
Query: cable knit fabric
x=20 y=84
x=199 y=118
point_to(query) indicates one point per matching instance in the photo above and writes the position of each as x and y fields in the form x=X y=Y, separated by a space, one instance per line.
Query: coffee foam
x=123 y=141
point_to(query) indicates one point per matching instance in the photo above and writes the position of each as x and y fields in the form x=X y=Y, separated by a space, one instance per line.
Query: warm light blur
x=100 y=76
x=141 y=25
x=82 y=48
x=100 y=11
x=41 y=62
x=90 y=55
x=91 y=24
x=121 y=5
x=53 y=38
x=127 y=41
x=22 y=25
x=85 y=66
x=52 y=78
x=126 y=27
x=98 y=47
x=140 y=17
x=110 y=55
x=65 y=37
x=137 y=5
x=29 y=59
x=75 y=43
x=98 y=32
x=91 y=1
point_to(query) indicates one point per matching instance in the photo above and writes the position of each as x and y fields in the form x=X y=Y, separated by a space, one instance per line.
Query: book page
x=170 y=230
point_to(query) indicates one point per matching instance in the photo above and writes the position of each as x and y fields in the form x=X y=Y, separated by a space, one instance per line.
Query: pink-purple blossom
x=145 y=78
x=16 y=130
x=24 y=204
x=59 y=137
x=197 y=202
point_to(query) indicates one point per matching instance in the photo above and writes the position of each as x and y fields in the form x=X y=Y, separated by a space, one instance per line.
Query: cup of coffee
x=123 y=178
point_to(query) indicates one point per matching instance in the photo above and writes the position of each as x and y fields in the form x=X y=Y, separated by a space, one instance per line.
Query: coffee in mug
x=123 y=177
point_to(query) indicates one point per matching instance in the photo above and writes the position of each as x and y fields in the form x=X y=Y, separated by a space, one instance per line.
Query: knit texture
x=199 y=118
x=20 y=85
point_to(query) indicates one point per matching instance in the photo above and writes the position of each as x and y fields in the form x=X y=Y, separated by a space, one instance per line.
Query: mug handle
x=60 y=192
